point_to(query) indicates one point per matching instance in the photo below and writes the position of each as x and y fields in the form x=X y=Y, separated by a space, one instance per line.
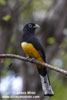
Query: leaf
x=2 y=2
x=7 y=17
x=51 y=40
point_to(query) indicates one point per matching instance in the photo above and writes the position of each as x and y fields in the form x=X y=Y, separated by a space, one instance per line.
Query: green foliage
x=4 y=72
x=7 y=61
x=2 y=2
x=59 y=81
x=62 y=53
x=40 y=5
x=6 y=17
x=36 y=6
x=64 y=43
x=51 y=40
x=22 y=2
x=60 y=91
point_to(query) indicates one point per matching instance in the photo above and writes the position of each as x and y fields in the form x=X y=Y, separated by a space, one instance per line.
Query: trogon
x=33 y=48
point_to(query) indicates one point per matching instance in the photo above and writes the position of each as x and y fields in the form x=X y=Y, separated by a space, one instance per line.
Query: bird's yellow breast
x=31 y=51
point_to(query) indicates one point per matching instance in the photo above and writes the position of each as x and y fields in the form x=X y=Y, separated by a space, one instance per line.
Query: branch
x=33 y=61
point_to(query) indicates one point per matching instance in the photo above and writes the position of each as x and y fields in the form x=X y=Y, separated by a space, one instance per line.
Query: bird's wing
x=36 y=43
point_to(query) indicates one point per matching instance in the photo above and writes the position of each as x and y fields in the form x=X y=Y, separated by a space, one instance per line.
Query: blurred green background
x=51 y=15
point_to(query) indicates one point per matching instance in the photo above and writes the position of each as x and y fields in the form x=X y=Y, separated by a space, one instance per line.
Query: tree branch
x=33 y=61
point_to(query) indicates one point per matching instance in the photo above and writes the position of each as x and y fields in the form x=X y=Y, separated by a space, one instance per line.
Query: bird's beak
x=36 y=26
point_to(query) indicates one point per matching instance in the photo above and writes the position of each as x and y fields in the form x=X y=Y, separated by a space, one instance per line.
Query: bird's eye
x=30 y=25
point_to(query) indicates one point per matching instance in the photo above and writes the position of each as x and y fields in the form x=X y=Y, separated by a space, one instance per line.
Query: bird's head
x=30 y=27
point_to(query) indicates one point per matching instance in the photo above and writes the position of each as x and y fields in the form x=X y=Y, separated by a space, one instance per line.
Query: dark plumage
x=28 y=36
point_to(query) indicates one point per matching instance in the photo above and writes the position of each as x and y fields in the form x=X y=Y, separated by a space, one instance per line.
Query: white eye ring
x=30 y=25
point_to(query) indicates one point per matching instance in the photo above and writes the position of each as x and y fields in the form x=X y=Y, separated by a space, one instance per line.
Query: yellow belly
x=30 y=51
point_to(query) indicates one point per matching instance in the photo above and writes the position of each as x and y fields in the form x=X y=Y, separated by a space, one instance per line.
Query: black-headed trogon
x=33 y=48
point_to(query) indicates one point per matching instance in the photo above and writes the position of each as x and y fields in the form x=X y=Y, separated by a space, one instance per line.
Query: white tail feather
x=47 y=89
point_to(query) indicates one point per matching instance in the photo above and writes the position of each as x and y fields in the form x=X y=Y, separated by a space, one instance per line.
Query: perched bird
x=33 y=48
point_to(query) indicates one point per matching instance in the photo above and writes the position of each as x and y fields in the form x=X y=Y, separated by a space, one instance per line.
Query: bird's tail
x=46 y=86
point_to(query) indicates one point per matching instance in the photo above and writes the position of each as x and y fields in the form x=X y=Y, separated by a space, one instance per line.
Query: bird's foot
x=27 y=57
x=32 y=58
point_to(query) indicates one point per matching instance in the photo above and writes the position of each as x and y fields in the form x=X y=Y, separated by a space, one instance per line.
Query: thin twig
x=33 y=61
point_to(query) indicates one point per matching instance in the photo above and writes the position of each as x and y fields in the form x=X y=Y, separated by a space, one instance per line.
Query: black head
x=30 y=27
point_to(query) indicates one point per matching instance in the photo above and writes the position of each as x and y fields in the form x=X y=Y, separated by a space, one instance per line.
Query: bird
x=33 y=48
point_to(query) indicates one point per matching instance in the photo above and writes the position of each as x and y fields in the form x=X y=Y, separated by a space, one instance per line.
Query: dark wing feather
x=36 y=43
